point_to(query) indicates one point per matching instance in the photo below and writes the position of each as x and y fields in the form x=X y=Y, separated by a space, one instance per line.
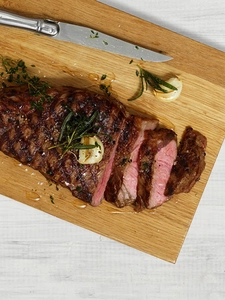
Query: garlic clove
x=171 y=95
x=93 y=155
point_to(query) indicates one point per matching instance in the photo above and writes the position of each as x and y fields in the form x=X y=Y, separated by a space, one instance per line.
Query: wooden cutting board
x=159 y=232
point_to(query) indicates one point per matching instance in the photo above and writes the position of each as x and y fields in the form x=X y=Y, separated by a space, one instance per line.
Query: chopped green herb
x=147 y=79
x=103 y=77
x=94 y=34
x=78 y=188
x=105 y=88
x=49 y=172
x=52 y=199
x=131 y=61
x=145 y=166
x=106 y=43
x=136 y=47
x=16 y=72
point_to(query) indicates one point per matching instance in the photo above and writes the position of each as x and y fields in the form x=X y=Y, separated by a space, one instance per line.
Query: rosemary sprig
x=15 y=71
x=147 y=79
x=73 y=129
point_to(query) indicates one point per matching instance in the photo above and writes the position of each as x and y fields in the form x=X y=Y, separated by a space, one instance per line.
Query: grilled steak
x=28 y=135
x=122 y=185
x=155 y=161
x=137 y=159
x=189 y=164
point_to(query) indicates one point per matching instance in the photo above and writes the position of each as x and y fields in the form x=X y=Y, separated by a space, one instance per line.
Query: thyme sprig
x=148 y=79
x=73 y=129
x=15 y=71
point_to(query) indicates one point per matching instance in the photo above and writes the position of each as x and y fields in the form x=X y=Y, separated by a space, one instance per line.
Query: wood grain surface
x=159 y=232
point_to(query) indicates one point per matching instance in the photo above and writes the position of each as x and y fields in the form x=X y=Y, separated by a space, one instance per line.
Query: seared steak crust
x=189 y=164
x=28 y=135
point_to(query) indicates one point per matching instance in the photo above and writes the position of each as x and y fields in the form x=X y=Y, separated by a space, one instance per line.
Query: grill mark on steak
x=122 y=185
x=156 y=157
x=30 y=133
x=189 y=164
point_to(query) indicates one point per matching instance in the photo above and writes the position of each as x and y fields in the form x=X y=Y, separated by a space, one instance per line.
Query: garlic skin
x=171 y=95
x=91 y=156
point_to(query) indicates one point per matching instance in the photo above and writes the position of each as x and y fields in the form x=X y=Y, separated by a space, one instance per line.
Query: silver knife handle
x=43 y=26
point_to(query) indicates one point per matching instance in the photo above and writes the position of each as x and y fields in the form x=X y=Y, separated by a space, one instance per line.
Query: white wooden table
x=42 y=257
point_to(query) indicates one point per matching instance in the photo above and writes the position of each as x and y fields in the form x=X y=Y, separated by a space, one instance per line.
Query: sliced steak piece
x=189 y=164
x=28 y=135
x=122 y=185
x=155 y=161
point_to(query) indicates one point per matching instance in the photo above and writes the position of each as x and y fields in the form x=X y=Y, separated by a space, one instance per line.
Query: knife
x=83 y=36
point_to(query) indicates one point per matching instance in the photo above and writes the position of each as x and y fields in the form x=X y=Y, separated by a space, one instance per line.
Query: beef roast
x=155 y=160
x=189 y=164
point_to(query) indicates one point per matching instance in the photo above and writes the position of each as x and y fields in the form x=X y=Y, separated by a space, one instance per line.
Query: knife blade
x=83 y=36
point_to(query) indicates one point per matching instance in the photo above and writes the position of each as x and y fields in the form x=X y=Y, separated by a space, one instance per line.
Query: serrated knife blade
x=83 y=36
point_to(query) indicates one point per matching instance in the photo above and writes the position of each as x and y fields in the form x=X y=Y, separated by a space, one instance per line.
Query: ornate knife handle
x=43 y=26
